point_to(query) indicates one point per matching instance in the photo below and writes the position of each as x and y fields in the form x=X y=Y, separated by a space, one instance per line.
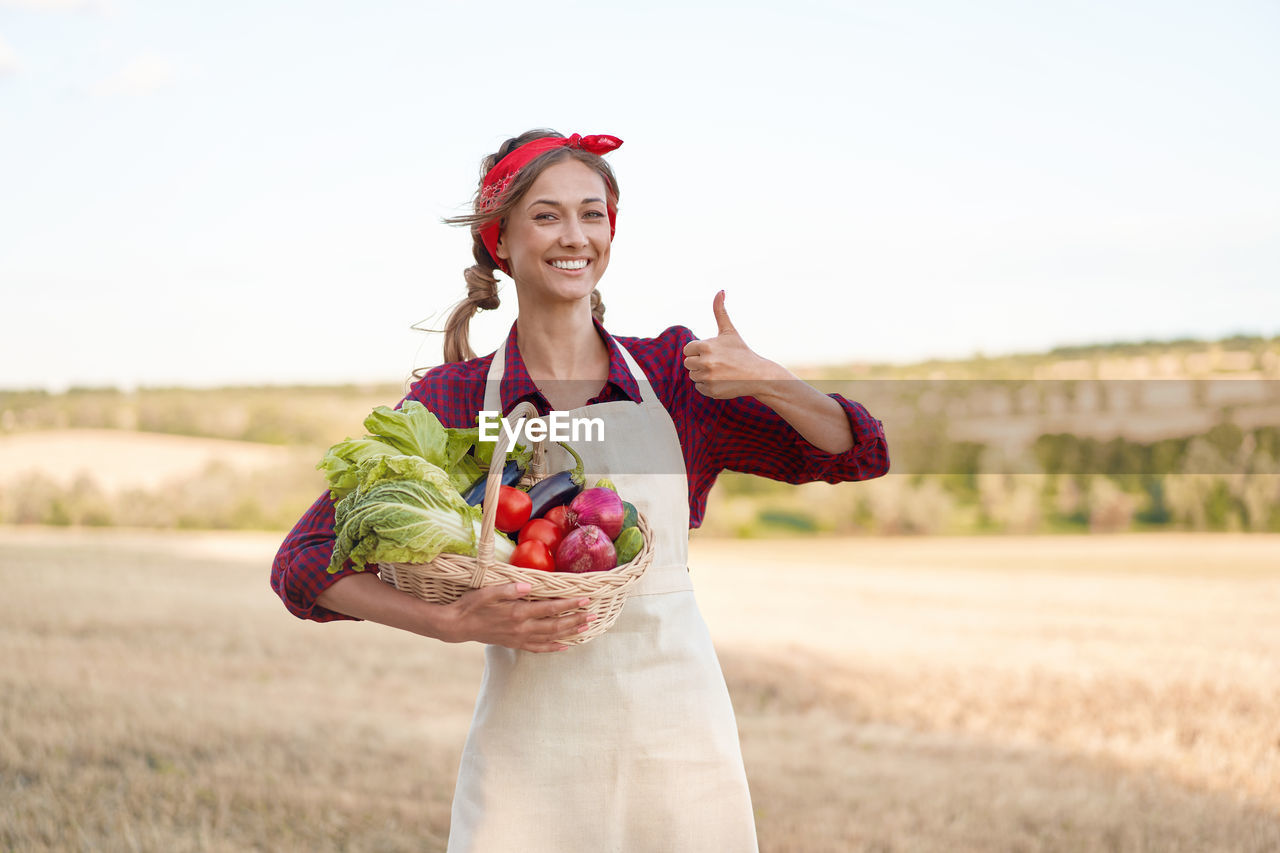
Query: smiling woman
x=559 y=243
x=506 y=183
x=628 y=742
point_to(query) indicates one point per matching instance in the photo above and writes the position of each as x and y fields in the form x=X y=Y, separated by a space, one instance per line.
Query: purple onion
x=586 y=549
x=600 y=507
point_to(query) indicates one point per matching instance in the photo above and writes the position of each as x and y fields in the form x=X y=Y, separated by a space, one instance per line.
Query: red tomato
x=559 y=516
x=542 y=530
x=533 y=555
x=513 y=510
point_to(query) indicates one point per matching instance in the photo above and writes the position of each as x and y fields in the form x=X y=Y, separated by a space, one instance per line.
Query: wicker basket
x=447 y=577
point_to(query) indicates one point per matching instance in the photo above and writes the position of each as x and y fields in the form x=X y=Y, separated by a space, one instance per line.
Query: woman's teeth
x=568 y=265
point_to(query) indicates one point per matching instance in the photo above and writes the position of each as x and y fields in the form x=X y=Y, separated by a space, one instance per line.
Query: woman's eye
x=594 y=213
x=544 y=216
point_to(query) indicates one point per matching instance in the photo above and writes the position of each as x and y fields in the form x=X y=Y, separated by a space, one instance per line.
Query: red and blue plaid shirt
x=716 y=435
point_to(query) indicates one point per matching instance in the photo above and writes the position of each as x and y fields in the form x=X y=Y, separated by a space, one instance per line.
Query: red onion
x=599 y=506
x=586 y=549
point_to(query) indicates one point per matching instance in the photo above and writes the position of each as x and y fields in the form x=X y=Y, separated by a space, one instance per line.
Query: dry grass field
x=117 y=460
x=1020 y=694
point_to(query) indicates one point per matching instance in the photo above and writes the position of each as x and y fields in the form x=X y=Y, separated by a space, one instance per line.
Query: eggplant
x=556 y=490
x=511 y=474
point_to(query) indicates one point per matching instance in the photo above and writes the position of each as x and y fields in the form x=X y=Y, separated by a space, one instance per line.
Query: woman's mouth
x=577 y=264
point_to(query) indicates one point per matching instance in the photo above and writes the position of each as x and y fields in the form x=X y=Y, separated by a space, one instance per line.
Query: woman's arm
x=493 y=614
x=819 y=419
x=365 y=596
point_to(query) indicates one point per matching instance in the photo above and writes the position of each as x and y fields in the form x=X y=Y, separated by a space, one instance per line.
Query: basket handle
x=488 y=516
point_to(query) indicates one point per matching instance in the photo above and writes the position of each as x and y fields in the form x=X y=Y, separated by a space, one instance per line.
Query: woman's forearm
x=365 y=596
x=818 y=418
x=496 y=614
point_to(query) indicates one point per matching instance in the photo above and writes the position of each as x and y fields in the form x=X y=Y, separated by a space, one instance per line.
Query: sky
x=252 y=192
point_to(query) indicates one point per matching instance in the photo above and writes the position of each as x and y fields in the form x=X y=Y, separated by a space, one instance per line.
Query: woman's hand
x=491 y=614
x=724 y=367
x=499 y=616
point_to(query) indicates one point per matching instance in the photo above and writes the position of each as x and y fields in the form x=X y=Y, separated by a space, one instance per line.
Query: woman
x=627 y=742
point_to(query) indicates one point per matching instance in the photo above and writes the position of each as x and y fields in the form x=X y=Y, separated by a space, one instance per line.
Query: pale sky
x=251 y=192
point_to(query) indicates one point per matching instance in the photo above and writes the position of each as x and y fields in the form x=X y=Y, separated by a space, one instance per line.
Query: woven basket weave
x=446 y=578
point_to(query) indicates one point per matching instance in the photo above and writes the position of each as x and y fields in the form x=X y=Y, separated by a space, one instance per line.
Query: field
x=1010 y=693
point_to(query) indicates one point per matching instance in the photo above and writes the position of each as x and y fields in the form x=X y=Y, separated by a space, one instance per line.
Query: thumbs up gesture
x=724 y=367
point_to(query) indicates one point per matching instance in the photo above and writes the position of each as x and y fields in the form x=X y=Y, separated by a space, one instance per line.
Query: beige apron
x=627 y=742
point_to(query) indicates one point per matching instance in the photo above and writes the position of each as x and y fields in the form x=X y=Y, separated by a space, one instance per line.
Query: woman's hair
x=482 y=286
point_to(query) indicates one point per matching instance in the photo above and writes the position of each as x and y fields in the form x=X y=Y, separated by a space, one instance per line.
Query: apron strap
x=493 y=383
x=647 y=394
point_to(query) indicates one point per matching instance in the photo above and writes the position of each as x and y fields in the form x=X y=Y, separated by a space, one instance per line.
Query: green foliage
x=798 y=522
x=301 y=416
x=1155 y=513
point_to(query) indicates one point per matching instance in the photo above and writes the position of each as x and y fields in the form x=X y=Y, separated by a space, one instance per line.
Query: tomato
x=533 y=555
x=513 y=510
x=541 y=530
x=559 y=516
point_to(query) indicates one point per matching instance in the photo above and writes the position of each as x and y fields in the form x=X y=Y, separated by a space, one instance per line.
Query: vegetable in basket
x=513 y=509
x=533 y=555
x=586 y=549
x=543 y=530
x=628 y=544
x=511 y=475
x=413 y=430
x=630 y=515
x=403 y=509
x=599 y=506
x=558 y=489
x=340 y=462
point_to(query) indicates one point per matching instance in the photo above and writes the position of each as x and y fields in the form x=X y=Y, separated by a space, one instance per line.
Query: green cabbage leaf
x=341 y=462
x=412 y=430
x=403 y=509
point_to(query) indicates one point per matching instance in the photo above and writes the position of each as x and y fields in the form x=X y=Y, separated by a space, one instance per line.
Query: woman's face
x=556 y=239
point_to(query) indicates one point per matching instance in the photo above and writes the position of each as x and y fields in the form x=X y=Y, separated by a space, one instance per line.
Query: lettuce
x=381 y=469
x=340 y=462
x=405 y=510
x=463 y=474
x=412 y=430
x=397 y=491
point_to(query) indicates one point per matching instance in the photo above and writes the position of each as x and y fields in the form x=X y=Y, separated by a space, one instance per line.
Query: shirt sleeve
x=300 y=571
x=749 y=437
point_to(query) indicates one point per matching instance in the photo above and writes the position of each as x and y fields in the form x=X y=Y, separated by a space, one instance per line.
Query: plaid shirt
x=716 y=435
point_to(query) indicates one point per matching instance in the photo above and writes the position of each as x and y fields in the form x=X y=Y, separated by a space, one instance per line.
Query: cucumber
x=628 y=544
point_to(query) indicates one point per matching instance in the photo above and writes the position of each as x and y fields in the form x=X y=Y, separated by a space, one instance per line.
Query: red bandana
x=501 y=176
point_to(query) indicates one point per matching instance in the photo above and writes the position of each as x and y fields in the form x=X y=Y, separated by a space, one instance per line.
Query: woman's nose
x=573 y=235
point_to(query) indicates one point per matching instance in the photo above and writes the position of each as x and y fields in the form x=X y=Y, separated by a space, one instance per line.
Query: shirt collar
x=518 y=385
